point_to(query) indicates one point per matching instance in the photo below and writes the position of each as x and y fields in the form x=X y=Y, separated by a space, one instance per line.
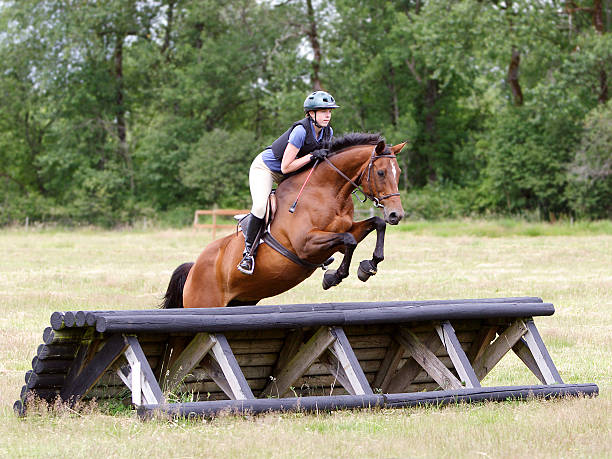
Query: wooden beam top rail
x=196 y=322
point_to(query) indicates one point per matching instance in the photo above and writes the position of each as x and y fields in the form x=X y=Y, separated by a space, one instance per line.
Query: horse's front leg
x=323 y=241
x=360 y=230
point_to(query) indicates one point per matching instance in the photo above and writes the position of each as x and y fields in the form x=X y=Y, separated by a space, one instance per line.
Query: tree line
x=117 y=109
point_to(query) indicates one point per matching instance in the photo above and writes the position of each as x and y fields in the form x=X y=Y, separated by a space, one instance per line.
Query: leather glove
x=320 y=153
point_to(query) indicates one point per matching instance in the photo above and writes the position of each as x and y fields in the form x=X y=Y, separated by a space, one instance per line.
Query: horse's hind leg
x=360 y=230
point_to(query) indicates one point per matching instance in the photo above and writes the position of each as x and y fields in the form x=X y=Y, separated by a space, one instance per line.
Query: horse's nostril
x=394 y=217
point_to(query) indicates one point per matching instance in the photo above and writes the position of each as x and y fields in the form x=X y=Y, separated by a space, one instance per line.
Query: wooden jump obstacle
x=302 y=356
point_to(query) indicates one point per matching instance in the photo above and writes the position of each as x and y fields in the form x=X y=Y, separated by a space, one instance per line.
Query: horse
x=321 y=225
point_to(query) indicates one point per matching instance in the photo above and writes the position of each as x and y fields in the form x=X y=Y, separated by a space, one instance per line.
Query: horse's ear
x=397 y=148
x=380 y=147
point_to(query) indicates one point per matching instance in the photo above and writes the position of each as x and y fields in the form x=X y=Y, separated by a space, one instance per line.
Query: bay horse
x=321 y=225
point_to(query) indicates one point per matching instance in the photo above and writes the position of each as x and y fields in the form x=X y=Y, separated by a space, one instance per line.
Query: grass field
x=42 y=271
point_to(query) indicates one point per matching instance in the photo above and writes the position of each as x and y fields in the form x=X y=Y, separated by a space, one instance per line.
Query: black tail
x=174 y=295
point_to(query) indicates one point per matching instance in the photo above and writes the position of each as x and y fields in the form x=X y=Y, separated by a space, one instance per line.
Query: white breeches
x=261 y=180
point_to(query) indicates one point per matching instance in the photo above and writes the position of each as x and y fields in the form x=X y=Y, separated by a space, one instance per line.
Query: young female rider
x=302 y=142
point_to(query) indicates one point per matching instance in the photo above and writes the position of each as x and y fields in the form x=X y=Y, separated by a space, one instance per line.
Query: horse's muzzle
x=393 y=217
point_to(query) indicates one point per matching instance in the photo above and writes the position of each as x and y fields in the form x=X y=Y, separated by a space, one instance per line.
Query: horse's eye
x=381 y=173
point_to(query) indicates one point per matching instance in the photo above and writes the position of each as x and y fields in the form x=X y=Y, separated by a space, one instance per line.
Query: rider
x=304 y=140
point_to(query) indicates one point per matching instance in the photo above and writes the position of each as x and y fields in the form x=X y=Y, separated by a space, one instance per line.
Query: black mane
x=354 y=138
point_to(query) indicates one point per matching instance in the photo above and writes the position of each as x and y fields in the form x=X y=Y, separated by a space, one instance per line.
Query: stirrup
x=244 y=266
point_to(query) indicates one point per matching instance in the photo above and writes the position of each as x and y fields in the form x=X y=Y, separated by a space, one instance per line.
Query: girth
x=267 y=238
x=280 y=248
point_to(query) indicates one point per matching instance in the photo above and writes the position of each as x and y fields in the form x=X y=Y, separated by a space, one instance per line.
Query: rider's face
x=322 y=116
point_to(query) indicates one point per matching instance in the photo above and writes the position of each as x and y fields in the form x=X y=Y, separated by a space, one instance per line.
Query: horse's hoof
x=365 y=270
x=330 y=279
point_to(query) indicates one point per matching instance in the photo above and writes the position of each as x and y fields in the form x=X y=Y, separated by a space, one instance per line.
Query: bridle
x=372 y=197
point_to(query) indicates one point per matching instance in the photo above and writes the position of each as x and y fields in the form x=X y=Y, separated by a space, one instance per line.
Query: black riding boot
x=247 y=265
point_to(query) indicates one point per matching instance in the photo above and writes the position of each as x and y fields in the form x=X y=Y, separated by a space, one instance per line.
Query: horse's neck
x=351 y=162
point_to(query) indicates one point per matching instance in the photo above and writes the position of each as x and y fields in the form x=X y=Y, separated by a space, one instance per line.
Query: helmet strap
x=314 y=120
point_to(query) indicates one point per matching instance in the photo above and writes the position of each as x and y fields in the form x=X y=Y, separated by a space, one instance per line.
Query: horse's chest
x=340 y=224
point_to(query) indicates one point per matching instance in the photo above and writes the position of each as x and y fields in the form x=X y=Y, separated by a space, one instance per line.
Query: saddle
x=266 y=237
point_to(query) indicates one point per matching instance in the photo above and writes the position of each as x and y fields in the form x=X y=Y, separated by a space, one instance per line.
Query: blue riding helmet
x=319 y=100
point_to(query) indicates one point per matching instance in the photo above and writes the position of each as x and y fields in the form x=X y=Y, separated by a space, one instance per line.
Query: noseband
x=375 y=199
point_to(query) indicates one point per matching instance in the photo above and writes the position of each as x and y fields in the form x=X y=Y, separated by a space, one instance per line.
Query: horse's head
x=381 y=178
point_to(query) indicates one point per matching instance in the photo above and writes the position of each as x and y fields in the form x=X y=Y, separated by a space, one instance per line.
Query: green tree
x=590 y=173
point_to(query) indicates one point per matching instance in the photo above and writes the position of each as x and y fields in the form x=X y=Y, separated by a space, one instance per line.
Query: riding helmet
x=319 y=100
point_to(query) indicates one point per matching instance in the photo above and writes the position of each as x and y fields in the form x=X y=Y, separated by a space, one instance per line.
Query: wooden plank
x=457 y=355
x=377 y=353
x=86 y=379
x=319 y=381
x=498 y=348
x=481 y=342
x=292 y=344
x=86 y=349
x=187 y=360
x=244 y=346
x=163 y=364
x=522 y=351
x=388 y=366
x=142 y=371
x=541 y=355
x=200 y=373
x=427 y=359
x=333 y=366
x=136 y=380
x=211 y=386
x=367 y=341
x=342 y=350
x=254 y=360
x=297 y=366
x=410 y=370
x=227 y=361
x=125 y=374
x=303 y=387
x=213 y=370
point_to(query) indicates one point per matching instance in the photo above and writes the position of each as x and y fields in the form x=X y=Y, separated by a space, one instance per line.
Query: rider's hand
x=320 y=153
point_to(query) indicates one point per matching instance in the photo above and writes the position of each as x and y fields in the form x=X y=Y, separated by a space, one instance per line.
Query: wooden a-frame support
x=521 y=336
x=331 y=347
x=213 y=353
x=95 y=357
x=139 y=376
x=328 y=345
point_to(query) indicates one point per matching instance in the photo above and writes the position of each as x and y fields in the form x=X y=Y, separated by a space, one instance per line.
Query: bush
x=437 y=201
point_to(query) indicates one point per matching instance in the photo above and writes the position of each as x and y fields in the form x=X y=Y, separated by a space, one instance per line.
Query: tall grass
x=43 y=271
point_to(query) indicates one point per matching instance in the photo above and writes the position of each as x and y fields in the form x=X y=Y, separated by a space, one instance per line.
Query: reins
x=274 y=244
x=375 y=199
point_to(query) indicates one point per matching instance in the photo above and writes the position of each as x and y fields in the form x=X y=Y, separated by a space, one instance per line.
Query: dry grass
x=42 y=272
